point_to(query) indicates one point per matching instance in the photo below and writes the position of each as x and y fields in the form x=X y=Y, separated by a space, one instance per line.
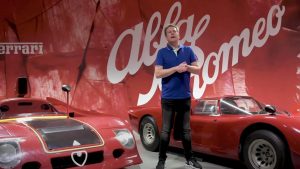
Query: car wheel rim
x=148 y=133
x=262 y=154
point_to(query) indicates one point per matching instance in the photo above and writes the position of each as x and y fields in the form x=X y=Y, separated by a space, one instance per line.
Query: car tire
x=149 y=134
x=263 y=149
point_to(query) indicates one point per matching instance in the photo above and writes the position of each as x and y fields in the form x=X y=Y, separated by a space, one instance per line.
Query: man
x=174 y=64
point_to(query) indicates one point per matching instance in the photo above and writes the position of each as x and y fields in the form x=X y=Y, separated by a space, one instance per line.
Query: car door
x=204 y=124
x=234 y=112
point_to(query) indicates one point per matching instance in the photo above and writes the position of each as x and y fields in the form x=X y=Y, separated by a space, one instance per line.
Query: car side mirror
x=67 y=88
x=271 y=109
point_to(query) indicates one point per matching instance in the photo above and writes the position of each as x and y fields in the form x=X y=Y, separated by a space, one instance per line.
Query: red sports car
x=236 y=127
x=34 y=135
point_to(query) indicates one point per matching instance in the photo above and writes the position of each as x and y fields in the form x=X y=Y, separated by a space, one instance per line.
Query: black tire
x=263 y=149
x=149 y=134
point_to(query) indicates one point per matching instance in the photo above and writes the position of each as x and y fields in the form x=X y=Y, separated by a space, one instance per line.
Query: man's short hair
x=170 y=25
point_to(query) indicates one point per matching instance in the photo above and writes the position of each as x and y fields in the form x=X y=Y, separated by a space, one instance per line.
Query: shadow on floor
x=234 y=164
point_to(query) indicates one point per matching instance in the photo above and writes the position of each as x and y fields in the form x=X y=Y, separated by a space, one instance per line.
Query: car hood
x=58 y=133
x=104 y=121
x=4 y=132
x=289 y=114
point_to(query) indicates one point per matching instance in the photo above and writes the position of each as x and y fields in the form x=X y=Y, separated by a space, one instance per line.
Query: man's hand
x=182 y=67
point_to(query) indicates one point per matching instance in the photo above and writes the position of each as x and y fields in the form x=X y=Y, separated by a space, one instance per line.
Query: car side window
x=227 y=106
x=206 y=107
x=199 y=107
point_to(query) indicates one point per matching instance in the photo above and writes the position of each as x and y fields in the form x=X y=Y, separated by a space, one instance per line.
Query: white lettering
x=17 y=48
x=9 y=48
x=145 y=98
x=114 y=75
x=21 y=48
x=147 y=58
x=205 y=70
x=2 y=49
x=25 y=49
x=258 y=29
x=200 y=28
x=33 y=48
x=198 y=91
x=40 y=49
x=262 y=30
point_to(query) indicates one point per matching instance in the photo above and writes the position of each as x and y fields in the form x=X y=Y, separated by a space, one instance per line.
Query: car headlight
x=10 y=154
x=125 y=138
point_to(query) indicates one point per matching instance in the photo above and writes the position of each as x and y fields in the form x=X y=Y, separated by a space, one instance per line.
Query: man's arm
x=161 y=73
x=194 y=68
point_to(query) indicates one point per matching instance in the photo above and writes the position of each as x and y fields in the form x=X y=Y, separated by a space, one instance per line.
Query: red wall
x=106 y=49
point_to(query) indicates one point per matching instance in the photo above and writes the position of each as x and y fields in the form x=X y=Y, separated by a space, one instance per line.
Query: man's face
x=172 y=35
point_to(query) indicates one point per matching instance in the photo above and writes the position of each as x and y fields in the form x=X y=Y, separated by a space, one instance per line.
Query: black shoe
x=192 y=163
x=160 y=164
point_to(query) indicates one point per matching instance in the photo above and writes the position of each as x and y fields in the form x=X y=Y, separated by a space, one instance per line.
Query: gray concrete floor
x=176 y=159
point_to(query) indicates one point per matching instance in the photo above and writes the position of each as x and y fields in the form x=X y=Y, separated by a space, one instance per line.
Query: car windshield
x=26 y=109
x=240 y=105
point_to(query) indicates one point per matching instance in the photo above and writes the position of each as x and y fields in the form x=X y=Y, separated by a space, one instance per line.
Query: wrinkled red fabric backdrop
x=106 y=49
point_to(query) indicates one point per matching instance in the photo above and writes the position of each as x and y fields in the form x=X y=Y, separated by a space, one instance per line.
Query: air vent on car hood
x=63 y=133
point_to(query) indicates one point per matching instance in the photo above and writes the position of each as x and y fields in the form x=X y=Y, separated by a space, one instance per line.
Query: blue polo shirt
x=177 y=85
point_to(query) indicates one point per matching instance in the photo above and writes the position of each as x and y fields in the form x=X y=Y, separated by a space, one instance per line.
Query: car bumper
x=112 y=163
x=105 y=158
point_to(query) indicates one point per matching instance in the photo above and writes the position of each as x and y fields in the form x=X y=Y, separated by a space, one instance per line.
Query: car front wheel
x=264 y=150
x=149 y=134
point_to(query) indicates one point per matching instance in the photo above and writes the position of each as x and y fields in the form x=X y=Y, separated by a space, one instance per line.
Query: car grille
x=67 y=162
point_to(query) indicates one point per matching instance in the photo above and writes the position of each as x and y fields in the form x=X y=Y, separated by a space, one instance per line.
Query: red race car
x=34 y=135
x=236 y=127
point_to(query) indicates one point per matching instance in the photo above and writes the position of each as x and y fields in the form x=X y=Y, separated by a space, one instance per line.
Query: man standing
x=174 y=64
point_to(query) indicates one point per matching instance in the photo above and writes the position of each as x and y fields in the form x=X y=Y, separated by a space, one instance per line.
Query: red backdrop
x=106 y=49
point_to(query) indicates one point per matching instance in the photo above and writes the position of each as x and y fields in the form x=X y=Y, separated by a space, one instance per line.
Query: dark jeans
x=180 y=109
